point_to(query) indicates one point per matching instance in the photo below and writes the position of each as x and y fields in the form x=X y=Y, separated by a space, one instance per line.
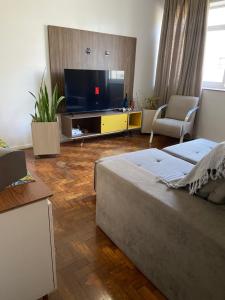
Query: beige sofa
x=176 y=240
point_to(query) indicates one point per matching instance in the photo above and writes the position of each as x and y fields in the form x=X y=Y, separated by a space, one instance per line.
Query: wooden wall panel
x=67 y=50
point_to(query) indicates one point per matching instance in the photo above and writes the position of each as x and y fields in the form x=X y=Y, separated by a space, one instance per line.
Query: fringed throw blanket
x=212 y=166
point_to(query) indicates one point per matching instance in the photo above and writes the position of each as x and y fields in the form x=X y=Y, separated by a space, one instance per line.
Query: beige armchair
x=179 y=117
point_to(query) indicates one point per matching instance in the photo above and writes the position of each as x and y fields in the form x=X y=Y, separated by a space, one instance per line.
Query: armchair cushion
x=170 y=127
x=179 y=106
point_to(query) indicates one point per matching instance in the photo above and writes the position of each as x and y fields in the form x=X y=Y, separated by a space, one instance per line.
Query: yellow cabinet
x=113 y=123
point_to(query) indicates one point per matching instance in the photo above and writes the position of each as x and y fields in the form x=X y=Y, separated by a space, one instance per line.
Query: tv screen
x=93 y=90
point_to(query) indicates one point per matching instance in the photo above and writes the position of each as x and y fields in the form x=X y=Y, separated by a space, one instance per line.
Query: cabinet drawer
x=113 y=123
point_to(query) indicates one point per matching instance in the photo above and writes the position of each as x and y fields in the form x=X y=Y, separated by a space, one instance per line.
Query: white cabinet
x=27 y=257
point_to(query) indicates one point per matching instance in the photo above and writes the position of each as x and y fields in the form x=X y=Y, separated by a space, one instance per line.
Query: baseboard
x=27 y=146
x=22 y=147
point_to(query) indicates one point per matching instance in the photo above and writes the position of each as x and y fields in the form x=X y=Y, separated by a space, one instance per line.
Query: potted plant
x=45 y=126
x=149 y=110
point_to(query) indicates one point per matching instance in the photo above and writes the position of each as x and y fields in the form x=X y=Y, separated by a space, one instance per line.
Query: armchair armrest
x=158 y=112
x=190 y=113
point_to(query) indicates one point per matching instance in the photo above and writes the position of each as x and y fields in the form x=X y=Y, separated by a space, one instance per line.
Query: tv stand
x=100 y=123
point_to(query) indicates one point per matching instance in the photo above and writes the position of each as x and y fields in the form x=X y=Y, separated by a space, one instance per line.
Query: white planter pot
x=46 y=138
x=147 y=119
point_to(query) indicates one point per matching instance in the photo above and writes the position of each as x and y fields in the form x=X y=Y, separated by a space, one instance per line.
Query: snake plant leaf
x=33 y=117
x=32 y=95
x=45 y=108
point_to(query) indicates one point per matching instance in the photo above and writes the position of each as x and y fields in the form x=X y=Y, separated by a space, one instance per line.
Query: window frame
x=215 y=4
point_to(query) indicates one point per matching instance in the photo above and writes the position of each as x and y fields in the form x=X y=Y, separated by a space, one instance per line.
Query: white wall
x=24 y=53
x=211 y=117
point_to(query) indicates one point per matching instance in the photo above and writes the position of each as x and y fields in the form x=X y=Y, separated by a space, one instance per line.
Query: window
x=214 y=61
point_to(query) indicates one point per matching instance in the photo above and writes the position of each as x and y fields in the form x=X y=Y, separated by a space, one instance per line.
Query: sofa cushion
x=179 y=106
x=192 y=151
x=217 y=196
x=157 y=162
x=208 y=188
x=213 y=191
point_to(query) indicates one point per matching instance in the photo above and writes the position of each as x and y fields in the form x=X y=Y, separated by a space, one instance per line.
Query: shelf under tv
x=100 y=123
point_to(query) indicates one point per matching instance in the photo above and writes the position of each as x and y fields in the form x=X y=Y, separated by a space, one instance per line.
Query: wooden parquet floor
x=89 y=265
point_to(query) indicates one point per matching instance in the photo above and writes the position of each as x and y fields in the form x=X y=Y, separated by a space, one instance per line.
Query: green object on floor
x=27 y=179
x=3 y=144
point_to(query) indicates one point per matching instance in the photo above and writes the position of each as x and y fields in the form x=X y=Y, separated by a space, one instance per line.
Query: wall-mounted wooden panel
x=67 y=50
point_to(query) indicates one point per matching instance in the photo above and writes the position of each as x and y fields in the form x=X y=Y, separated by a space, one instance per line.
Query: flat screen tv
x=93 y=90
